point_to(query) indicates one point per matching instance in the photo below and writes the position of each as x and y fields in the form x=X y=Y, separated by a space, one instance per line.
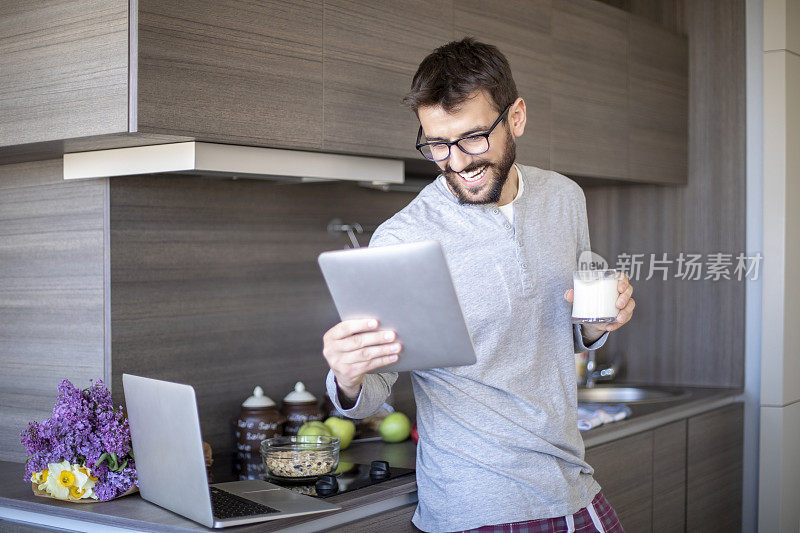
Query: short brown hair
x=449 y=75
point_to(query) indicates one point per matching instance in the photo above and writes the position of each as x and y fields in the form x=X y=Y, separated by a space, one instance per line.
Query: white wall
x=779 y=480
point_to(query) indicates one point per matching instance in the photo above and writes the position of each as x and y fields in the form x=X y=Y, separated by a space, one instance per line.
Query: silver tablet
x=408 y=289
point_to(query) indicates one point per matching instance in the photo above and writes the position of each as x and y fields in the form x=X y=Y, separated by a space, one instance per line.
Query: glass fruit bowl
x=300 y=458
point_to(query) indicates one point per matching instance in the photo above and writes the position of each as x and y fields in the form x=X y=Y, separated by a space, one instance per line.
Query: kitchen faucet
x=595 y=374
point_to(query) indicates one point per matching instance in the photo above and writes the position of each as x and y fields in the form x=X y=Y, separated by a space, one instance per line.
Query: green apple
x=395 y=428
x=313 y=428
x=344 y=429
x=343 y=468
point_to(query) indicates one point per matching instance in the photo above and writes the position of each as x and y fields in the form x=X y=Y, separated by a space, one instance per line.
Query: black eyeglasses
x=474 y=144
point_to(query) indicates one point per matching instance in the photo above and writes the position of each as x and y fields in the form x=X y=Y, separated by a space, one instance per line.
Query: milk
x=595 y=297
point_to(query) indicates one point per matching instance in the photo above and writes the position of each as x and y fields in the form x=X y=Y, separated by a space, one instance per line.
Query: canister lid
x=258 y=399
x=299 y=394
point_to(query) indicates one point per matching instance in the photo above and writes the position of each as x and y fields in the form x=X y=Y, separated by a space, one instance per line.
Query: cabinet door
x=372 y=50
x=658 y=138
x=669 y=478
x=232 y=71
x=624 y=470
x=714 y=470
x=589 y=90
x=64 y=70
x=521 y=30
x=396 y=521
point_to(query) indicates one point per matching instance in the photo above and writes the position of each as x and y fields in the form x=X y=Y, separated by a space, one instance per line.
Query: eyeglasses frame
x=486 y=134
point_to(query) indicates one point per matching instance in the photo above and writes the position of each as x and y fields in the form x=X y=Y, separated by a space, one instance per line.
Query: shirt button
x=495 y=210
x=524 y=266
x=507 y=224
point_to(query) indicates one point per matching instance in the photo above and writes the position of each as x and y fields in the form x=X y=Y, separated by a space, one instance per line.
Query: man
x=499 y=444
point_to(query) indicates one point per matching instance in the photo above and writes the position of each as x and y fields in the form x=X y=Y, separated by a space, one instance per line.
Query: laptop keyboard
x=227 y=505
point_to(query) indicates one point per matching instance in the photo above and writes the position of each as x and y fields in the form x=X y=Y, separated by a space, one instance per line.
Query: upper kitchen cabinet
x=521 y=30
x=232 y=71
x=658 y=85
x=589 y=89
x=606 y=92
x=372 y=50
x=65 y=70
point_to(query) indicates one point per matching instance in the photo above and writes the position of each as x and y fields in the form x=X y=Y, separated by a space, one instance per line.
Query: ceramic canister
x=259 y=419
x=299 y=407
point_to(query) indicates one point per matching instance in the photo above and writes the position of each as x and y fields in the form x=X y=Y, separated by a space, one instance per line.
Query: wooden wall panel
x=232 y=71
x=51 y=292
x=684 y=331
x=372 y=50
x=215 y=283
x=65 y=69
x=521 y=30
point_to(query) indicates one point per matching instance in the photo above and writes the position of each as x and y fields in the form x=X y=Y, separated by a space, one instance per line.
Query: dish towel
x=591 y=415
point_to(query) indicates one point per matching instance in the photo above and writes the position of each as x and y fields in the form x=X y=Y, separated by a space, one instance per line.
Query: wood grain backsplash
x=215 y=283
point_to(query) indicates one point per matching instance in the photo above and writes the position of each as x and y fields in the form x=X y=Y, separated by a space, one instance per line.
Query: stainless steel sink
x=632 y=394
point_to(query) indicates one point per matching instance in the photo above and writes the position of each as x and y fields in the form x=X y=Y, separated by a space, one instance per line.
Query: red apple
x=414 y=434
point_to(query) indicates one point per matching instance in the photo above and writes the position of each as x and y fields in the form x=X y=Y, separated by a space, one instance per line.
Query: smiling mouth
x=474 y=175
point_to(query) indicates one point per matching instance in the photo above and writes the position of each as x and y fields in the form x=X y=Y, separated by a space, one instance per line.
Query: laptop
x=408 y=289
x=165 y=431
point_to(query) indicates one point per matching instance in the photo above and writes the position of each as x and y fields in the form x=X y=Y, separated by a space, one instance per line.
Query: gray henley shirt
x=499 y=440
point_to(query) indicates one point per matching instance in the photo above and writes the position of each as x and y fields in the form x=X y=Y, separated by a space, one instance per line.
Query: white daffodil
x=59 y=479
x=82 y=488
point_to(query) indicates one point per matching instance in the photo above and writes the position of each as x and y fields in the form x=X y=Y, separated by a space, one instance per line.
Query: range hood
x=232 y=161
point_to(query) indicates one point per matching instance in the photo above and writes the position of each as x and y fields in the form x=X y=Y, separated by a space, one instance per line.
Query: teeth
x=474 y=175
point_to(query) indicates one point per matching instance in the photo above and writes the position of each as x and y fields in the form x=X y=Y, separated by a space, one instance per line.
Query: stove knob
x=326 y=485
x=379 y=470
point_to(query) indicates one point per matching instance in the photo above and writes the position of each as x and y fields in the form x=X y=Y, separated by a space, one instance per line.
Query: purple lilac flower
x=83 y=428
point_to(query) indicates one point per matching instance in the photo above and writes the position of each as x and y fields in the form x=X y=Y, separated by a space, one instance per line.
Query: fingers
x=354 y=347
x=370 y=352
x=623 y=316
x=378 y=362
x=624 y=297
x=364 y=340
x=569 y=295
x=346 y=328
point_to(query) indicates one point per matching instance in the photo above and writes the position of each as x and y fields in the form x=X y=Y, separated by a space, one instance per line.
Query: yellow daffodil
x=45 y=473
x=77 y=493
x=66 y=479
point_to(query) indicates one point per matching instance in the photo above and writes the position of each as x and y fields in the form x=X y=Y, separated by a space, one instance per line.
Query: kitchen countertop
x=133 y=513
x=650 y=415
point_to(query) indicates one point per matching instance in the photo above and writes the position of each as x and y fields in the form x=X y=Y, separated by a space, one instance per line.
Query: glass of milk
x=595 y=297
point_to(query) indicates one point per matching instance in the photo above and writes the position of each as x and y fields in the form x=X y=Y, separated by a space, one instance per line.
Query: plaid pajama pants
x=597 y=516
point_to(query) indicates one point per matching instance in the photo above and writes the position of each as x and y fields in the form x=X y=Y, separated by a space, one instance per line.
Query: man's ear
x=517 y=116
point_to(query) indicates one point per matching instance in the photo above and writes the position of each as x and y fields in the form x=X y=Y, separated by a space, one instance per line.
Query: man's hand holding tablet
x=355 y=347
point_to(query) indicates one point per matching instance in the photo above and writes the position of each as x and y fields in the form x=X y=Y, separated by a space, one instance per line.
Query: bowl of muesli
x=299 y=458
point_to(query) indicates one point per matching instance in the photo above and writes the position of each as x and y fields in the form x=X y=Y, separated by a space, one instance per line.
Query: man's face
x=473 y=179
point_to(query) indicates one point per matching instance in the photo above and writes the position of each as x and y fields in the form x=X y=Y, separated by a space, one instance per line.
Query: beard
x=496 y=177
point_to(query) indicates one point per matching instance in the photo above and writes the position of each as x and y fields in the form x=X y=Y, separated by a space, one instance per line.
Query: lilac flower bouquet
x=83 y=452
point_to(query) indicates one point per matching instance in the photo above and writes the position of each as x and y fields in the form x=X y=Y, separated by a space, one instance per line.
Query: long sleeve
x=584 y=246
x=374 y=391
